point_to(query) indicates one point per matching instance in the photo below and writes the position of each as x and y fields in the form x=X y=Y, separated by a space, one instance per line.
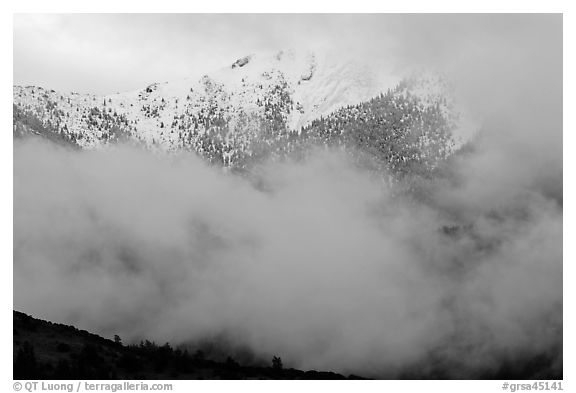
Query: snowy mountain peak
x=240 y=109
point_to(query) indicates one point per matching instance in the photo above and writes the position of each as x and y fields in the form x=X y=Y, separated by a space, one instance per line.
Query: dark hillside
x=46 y=350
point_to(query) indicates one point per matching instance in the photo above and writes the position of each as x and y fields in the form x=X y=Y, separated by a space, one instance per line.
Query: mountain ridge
x=48 y=350
x=259 y=104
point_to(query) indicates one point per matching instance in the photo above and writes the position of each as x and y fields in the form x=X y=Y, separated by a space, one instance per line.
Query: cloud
x=322 y=264
x=325 y=268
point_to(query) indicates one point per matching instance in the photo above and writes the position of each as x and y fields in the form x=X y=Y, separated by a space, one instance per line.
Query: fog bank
x=325 y=268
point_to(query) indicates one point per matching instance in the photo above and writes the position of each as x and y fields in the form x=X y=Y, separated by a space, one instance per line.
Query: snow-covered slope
x=432 y=89
x=258 y=104
x=297 y=86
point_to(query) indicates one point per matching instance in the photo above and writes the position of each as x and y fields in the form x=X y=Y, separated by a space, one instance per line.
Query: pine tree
x=277 y=363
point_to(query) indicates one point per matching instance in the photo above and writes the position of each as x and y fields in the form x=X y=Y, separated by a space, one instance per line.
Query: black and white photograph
x=287 y=196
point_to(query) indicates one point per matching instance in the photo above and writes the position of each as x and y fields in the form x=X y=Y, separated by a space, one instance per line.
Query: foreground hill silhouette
x=46 y=350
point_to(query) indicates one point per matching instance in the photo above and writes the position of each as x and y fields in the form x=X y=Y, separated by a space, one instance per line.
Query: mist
x=325 y=268
x=322 y=263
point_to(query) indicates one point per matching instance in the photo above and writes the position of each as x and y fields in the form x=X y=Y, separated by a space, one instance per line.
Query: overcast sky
x=105 y=53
